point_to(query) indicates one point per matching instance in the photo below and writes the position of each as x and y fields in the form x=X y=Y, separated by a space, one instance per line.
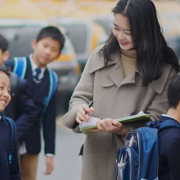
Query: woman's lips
x=123 y=43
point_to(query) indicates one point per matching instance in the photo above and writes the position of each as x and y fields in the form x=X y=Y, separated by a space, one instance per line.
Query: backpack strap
x=20 y=66
x=52 y=87
x=13 y=136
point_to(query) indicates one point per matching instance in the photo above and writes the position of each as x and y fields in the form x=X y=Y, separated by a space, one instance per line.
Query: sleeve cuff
x=49 y=155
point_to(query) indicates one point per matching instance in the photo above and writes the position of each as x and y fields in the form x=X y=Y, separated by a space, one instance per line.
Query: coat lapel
x=130 y=79
x=111 y=76
x=116 y=74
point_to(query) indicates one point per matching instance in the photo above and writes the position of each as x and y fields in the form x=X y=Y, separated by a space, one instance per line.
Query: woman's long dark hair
x=150 y=44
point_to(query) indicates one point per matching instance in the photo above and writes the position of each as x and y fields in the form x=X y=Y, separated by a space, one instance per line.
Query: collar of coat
x=116 y=74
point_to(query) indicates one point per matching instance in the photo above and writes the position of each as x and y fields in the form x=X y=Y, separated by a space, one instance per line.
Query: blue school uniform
x=39 y=90
x=7 y=171
x=169 y=151
x=22 y=111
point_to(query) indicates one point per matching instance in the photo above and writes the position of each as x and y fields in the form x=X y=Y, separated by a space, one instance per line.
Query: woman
x=127 y=74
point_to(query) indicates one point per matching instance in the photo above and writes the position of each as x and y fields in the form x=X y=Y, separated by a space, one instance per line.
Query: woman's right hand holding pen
x=83 y=113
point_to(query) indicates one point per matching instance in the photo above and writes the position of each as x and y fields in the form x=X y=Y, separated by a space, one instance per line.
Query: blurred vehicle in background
x=21 y=32
x=106 y=21
x=169 y=17
x=84 y=35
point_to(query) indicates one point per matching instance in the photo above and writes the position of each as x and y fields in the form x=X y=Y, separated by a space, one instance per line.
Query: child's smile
x=4 y=91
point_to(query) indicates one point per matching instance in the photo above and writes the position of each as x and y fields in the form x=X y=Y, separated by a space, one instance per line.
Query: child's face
x=4 y=91
x=3 y=56
x=45 y=51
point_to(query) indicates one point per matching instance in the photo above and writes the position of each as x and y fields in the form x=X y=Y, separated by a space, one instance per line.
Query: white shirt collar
x=34 y=66
x=168 y=116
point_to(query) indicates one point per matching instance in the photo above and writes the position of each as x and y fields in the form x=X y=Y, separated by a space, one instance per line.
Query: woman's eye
x=1 y=87
x=127 y=32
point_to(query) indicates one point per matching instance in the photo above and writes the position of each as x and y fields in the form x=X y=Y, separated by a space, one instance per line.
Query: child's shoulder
x=169 y=134
x=6 y=124
x=8 y=120
x=16 y=61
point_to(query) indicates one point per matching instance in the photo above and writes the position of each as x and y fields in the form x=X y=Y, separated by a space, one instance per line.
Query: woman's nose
x=120 y=36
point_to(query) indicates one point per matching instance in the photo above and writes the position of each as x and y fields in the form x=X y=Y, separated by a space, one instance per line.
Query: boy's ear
x=33 y=43
x=59 y=55
x=178 y=106
x=5 y=55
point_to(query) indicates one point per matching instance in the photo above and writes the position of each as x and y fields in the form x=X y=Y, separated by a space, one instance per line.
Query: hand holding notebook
x=85 y=127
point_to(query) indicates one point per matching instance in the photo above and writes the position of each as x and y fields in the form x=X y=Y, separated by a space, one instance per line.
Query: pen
x=90 y=105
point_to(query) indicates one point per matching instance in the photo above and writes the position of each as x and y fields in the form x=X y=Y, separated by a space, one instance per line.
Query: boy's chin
x=2 y=108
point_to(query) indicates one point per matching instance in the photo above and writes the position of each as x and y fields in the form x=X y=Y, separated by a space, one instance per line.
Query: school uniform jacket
x=169 y=148
x=21 y=107
x=7 y=171
x=39 y=92
x=114 y=97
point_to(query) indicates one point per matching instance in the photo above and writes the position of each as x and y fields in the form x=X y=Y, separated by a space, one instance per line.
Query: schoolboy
x=47 y=47
x=21 y=107
x=169 y=137
x=8 y=170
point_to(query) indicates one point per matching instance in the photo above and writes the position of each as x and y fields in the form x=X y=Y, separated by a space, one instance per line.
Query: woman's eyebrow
x=123 y=29
x=116 y=25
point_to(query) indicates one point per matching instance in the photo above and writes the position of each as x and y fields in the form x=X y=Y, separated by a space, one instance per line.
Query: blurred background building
x=85 y=25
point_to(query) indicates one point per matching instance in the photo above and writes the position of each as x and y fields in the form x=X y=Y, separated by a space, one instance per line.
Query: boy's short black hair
x=174 y=92
x=6 y=70
x=54 y=33
x=3 y=43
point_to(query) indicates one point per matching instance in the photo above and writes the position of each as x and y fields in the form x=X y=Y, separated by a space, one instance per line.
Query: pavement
x=67 y=163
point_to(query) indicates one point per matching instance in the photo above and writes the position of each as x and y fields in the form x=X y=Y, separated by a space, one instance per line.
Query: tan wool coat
x=114 y=96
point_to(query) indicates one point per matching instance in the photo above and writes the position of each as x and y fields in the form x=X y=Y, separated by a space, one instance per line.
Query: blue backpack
x=138 y=158
x=20 y=66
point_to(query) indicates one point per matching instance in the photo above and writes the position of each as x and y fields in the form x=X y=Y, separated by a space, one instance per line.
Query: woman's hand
x=81 y=116
x=111 y=126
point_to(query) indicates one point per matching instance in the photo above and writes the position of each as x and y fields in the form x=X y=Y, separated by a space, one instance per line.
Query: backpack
x=13 y=138
x=138 y=158
x=20 y=66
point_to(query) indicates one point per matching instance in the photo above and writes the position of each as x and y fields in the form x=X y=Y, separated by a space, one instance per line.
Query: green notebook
x=91 y=124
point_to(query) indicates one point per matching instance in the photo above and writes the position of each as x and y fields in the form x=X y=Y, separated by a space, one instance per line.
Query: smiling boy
x=47 y=47
x=9 y=170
